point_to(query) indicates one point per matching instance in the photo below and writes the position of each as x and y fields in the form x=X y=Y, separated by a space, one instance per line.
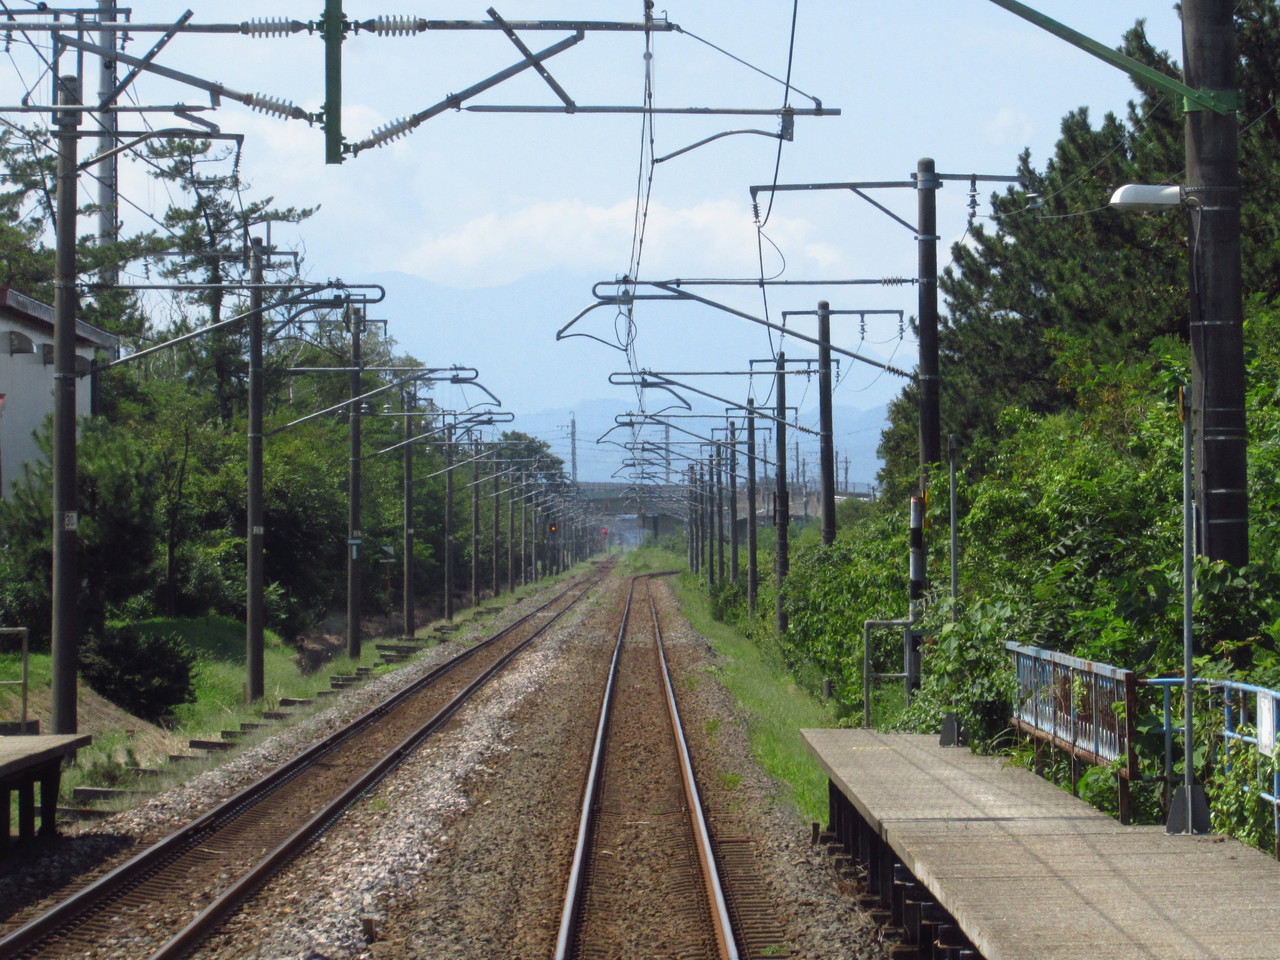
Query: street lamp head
x=1146 y=198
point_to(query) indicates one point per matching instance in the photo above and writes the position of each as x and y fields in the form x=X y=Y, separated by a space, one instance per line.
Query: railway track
x=165 y=900
x=647 y=878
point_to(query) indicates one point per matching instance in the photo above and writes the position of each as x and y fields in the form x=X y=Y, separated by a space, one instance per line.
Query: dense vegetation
x=1063 y=348
x=161 y=481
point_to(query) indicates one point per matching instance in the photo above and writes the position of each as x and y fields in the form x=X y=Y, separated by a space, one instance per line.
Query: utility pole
x=108 y=124
x=497 y=511
x=511 y=536
x=475 y=524
x=524 y=533
x=733 y=501
x=717 y=454
x=355 y=319
x=927 y=376
x=254 y=619
x=1217 y=337
x=753 y=572
x=407 y=565
x=448 y=524
x=693 y=523
x=65 y=650
x=782 y=502
x=573 y=448
x=826 y=428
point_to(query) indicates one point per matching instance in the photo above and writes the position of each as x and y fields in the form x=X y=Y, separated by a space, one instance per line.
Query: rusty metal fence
x=1084 y=708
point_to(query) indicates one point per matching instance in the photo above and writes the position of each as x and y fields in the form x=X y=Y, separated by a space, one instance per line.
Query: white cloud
x=709 y=239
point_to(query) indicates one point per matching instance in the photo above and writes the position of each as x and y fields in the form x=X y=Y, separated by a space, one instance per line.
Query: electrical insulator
x=276 y=107
x=397 y=26
x=273 y=27
x=386 y=134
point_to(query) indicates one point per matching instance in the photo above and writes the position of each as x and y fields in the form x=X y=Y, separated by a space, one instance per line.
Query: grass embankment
x=776 y=706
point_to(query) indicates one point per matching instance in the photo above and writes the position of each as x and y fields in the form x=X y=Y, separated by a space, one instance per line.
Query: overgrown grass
x=777 y=706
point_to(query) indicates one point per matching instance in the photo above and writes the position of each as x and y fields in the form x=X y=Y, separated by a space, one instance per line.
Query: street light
x=1145 y=198
x=1188 y=811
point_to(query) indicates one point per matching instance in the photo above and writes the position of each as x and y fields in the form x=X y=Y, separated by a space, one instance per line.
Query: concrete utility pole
x=448 y=525
x=927 y=375
x=825 y=425
x=475 y=524
x=782 y=501
x=254 y=618
x=717 y=501
x=497 y=508
x=65 y=650
x=108 y=124
x=753 y=572
x=407 y=566
x=733 y=501
x=573 y=448
x=355 y=319
x=1216 y=328
x=511 y=535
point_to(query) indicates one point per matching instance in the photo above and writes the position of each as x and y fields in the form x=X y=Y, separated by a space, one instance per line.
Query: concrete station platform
x=26 y=761
x=1029 y=872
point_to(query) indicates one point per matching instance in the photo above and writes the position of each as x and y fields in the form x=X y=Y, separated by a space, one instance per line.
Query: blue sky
x=539 y=207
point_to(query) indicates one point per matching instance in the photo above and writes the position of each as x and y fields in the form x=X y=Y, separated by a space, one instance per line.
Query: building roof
x=41 y=314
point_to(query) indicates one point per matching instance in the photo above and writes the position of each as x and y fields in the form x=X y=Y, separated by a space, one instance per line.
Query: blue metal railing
x=1236 y=698
x=1080 y=706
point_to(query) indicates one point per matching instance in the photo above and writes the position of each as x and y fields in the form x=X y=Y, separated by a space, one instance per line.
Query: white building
x=26 y=377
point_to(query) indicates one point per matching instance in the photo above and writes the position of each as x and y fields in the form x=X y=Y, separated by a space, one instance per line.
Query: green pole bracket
x=1219 y=101
x=333 y=30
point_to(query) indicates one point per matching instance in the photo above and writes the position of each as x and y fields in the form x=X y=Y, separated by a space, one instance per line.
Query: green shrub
x=147 y=674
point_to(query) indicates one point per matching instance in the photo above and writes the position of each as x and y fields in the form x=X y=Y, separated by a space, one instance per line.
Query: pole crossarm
x=1224 y=102
x=670 y=292
x=858 y=187
x=646 y=379
x=306 y=292
x=365 y=396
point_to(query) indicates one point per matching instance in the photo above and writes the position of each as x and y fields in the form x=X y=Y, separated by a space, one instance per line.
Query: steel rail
x=573 y=892
x=49 y=925
x=723 y=932
x=711 y=876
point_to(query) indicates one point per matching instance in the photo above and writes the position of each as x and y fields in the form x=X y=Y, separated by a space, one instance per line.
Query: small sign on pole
x=1267 y=724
